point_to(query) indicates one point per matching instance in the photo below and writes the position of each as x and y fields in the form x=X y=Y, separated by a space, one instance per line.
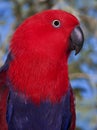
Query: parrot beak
x=76 y=39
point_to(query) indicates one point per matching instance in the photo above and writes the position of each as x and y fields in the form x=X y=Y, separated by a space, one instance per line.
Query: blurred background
x=82 y=68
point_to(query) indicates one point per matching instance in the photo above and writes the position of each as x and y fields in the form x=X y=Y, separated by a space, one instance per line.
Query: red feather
x=72 y=107
x=3 y=100
x=40 y=69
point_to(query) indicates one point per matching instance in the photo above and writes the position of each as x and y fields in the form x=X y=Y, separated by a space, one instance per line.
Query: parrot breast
x=25 y=115
x=39 y=79
x=40 y=50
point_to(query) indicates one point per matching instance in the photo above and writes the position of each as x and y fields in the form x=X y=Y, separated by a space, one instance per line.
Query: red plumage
x=41 y=50
x=72 y=107
x=3 y=100
x=38 y=69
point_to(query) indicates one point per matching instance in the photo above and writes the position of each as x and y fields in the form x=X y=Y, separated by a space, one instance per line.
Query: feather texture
x=24 y=115
x=35 y=75
x=4 y=93
x=41 y=52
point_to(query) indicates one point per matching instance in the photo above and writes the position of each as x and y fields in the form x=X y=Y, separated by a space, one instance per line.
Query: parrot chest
x=25 y=115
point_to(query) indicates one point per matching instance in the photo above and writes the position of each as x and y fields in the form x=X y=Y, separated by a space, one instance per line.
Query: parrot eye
x=56 y=23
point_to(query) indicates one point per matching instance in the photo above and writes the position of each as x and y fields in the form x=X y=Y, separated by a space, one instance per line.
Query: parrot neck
x=39 y=79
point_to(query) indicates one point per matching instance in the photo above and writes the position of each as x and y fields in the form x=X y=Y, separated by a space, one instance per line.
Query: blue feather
x=25 y=115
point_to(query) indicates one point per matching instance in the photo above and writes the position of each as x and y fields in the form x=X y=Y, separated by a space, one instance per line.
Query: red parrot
x=35 y=92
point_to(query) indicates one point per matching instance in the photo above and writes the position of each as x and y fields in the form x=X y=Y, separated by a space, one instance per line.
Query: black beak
x=76 y=39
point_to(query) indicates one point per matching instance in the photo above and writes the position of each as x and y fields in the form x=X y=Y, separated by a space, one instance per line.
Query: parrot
x=35 y=91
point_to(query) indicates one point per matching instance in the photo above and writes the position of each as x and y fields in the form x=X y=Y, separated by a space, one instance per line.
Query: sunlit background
x=82 y=68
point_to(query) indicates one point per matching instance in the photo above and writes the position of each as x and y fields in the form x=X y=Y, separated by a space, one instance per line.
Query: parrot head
x=40 y=48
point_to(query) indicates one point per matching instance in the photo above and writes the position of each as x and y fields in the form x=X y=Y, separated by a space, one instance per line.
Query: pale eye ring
x=56 y=23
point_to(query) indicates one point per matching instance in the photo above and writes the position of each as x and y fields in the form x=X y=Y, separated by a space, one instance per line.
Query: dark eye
x=56 y=23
